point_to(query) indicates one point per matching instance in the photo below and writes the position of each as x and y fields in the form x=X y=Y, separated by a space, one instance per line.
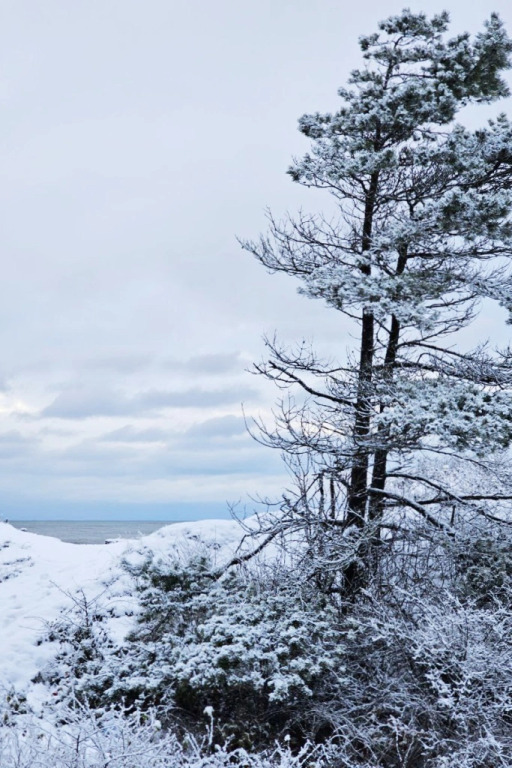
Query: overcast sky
x=138 y=139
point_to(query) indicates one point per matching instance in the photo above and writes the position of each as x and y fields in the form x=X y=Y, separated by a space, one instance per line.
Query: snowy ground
x=40 y=576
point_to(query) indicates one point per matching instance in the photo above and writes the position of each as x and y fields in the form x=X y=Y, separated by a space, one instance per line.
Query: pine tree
x=423 y=235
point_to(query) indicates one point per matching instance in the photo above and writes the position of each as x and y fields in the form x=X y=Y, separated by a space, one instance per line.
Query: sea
x=91 y=531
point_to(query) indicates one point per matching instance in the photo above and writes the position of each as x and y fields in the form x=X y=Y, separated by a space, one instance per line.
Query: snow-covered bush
x=417 y=670
x=110 y=739
x=257 y=650
x=484 y=566
x=429 y=678
x=83 y=643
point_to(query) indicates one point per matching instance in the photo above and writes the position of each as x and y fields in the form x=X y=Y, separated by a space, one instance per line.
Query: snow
x=41 y=576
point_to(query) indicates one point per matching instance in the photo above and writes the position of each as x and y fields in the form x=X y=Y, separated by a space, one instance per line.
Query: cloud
x=12 y=437
x=13 y=444
x=220 y=426
x=56 y=432
x=130 y=434
x=212 y=364
x=81 y=403
x=154 y=463
x=120 y=363
x=249 y=461
x=223 y=427
x=23 y=509
x=193 y=398
x=132 y=464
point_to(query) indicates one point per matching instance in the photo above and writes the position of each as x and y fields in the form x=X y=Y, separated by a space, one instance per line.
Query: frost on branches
x=423 y=235
x=416 y=672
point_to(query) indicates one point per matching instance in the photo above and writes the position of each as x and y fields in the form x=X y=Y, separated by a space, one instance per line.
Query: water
x=91 y=531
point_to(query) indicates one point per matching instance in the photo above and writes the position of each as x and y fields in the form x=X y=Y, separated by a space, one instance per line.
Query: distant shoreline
x=92 y=531
x=15 y=521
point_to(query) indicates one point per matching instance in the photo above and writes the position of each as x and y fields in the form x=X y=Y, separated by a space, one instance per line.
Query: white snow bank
x=39 y=576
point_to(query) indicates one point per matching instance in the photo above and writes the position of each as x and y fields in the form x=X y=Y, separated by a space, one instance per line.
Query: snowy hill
x=42 y=576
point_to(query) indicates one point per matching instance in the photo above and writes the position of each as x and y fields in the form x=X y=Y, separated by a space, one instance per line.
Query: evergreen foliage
x=256 y=649
x=416 y=672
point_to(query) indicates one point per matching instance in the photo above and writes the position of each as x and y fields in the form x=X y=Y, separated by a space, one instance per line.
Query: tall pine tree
x=423 y=235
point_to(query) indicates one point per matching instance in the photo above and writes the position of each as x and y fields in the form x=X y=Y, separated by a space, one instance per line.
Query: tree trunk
x=357 y=495
x=381 y=454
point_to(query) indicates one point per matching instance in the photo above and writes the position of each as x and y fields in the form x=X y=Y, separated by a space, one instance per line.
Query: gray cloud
x=220 y=426
x=13 y=444
x=89 y=459
x=57 y=432
x=82 y=403
x=130 y=434
x=213 y=364
x=120 y=363
x=130 y=461
x=129 y=363
x=85 y=403
x=11 y=437
x=194 y=398
x=248 y=462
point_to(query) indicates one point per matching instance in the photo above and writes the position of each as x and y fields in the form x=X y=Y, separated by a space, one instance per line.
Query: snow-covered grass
x=112 y=740
x=101 y=645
